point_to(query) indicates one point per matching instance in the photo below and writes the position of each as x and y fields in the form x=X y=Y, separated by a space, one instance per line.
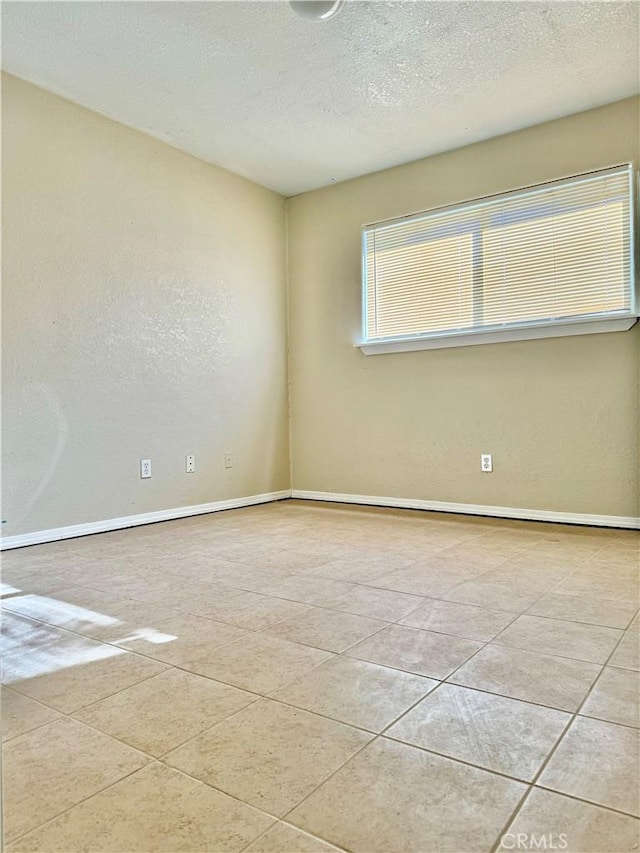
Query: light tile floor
x=298 y=677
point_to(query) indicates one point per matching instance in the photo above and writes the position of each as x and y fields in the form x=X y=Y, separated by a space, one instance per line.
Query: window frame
x=535 y=329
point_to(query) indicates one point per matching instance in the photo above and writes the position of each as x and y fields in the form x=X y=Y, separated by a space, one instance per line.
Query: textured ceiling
x=295 y=104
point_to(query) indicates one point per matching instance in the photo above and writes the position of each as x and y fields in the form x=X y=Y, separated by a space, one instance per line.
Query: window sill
x=522 y=333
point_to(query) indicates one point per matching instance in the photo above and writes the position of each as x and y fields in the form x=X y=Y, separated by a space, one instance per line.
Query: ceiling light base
x=316 y=10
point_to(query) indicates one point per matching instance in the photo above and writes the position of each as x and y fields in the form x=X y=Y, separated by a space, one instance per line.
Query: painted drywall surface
x=144 y=315
x=560 y=416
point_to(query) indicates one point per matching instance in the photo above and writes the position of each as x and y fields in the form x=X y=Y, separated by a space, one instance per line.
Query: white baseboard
x=56 y=533
x=475 y=509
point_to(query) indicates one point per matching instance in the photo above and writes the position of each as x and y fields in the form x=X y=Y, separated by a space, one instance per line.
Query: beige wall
x=143 y=316
x=560 y=416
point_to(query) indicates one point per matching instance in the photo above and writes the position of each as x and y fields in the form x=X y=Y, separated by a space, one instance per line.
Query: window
x=553 y=259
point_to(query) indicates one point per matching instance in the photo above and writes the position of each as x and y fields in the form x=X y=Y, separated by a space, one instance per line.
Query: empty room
x=320 y=514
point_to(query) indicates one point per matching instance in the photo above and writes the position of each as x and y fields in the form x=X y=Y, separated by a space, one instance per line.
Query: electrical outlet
x=145 y=469
x=228 y=459
x=486 y=463
x=190 y=464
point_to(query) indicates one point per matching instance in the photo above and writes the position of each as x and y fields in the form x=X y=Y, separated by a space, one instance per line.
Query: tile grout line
x=303 y=574
x=180 y=666
x=356 y=726
x=262 y=695
x=527 y=790
x=324 y=781
x=83 y=800
x=270 y=697
x=138 y=770
x=496 y=844
x=169 y=666
x=244 y=803
x=376 y=736
x=113 y=643
x=324 y=840
x=534 y=783
x=515 y=615
x=70 y=716
x=333 y=651
x=604 y=666
x=37 y=702
x=82 y=707
x=297 y=829
x=153 y=759
x=161 y=758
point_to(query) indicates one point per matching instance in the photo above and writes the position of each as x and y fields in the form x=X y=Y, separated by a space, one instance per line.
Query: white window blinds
x=552 y=253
